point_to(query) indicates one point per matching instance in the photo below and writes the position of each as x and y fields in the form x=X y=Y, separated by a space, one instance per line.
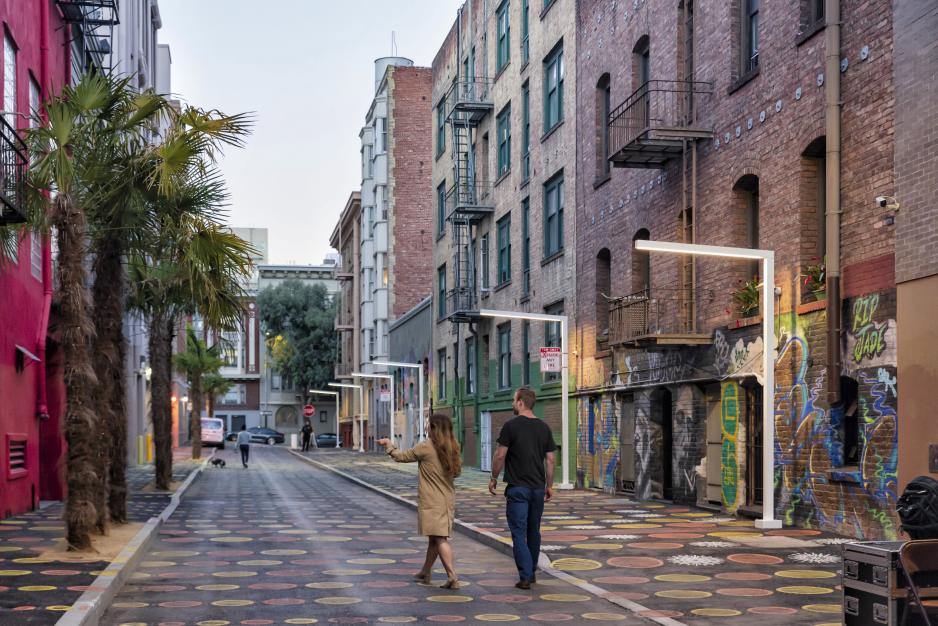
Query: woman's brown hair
x=445 y=444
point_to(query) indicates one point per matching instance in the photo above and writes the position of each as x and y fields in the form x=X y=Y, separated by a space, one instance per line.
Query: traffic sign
x=385 y=395
x=308 y=410
x=550 y=359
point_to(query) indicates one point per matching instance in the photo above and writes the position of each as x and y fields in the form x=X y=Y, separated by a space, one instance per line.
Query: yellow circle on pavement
x=497 y=617
x=217 y=587
x=636 y=525
x=682 y=578
x=260 y=562
x=714 y=612
x=598 y=546
x=605 y=617
x=129 y=605
x=805 y=573
x=234 y=574
x=347 y=572
x=805 y=590
x=823 y=608
x=14 y=572
x=327 y=584
x=283 y=552
x=449 y=599
x=232 y=602
x=683 y=594
x=564 y=597
x=37 y=588
x=338 y=600
x=575 y=565
x=301 y=620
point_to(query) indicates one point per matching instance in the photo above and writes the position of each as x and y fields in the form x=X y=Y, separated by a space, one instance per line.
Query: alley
x=285 y=542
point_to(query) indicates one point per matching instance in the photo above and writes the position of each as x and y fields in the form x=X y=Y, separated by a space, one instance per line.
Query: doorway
x=714 y=446
x=627 y=444
x=753 y=392
x=662 y=416
x=485 y=434
x=237 y=421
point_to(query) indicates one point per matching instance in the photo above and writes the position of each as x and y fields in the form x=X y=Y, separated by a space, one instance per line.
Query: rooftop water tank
x=383 y=63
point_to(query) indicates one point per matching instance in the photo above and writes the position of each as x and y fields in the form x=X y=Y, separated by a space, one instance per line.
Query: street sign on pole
x=308 y=410
x=385 y=395
x=550 y=359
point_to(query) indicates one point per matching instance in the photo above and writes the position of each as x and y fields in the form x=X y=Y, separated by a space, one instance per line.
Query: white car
x=213 y=432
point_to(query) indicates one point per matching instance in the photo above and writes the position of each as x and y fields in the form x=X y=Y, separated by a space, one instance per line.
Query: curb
x=91 y=605
x=502 y=545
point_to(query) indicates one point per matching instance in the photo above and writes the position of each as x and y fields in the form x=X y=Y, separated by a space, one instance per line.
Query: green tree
x=198 y=361
x=301 y=322
x=214 y=385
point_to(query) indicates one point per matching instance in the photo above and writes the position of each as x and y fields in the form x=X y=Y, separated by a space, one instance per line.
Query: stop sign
x=308 y=410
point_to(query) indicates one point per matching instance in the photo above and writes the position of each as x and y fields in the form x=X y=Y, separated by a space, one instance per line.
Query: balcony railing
x=470 y=99
x=648 y=128
x=663 y=315
x=468 y=199
x=13 y=160
x=462 y=304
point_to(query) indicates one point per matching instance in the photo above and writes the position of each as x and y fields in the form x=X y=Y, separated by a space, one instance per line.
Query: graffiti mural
x=871 y=333
x=738 y=359
x=729 y=457
x=598 y=444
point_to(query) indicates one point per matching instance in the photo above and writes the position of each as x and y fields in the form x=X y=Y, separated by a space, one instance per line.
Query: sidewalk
x=660 y=560
x=39 y=590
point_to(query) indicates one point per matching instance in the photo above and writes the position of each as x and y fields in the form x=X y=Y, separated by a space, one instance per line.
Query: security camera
x=887 y=202
x=881 y=201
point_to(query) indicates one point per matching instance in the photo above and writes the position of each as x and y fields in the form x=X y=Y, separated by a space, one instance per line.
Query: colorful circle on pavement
x=327 y=584
x=337 y=600
x=805 y=590
x=564 y=597
x=823 y=608
x=635 y=562
x=715 y=612
x=772 y=610
x=683 y=594
x=682 y=578
x=575 y=565
x=805 y=573
x=454 y=599
x=755 y=559
x=497 y=617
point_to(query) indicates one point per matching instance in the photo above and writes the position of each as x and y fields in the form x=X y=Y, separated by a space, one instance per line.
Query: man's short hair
x=527 y=397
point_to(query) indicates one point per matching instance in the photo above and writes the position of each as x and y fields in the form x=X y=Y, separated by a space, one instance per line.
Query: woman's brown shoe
x=422 y=578
x=452 y=583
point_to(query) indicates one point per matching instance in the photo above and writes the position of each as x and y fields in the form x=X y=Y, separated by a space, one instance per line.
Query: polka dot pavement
x=35 y=590
x=696 y=566
x=284 y=542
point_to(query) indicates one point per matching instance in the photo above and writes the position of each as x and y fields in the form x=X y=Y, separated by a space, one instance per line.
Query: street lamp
x=361 y=403
x=419 y=368
x=381 y=377
x=767 y=258
x=564 y=376
x=338 y=440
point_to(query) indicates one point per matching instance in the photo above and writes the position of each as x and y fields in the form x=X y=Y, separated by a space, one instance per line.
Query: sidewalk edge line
x=494 y=541
x=91 y=605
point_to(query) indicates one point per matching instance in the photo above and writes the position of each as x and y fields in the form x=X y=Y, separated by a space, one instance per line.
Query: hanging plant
x=746 y=298
x=814 y=277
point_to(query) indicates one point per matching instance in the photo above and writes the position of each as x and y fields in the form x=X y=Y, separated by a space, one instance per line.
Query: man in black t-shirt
x=523 y=444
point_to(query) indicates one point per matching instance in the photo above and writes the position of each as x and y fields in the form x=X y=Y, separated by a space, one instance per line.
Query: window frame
x=504 y=356
x=503 y=242
x=441 y=374
x=441 y=208
x=749 y=36
x=470 y=365
x=526 y=352
x=552 y=336
x=525 y=32
x=441 y=292
x=503 y=130
x=441 y=127
x=484 y=262
x=502 y=35
x=526 y=247
x=553 y=87
x=525 y=131
x=553 y=216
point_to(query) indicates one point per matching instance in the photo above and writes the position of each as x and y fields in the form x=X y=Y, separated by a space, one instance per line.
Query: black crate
x=873 y=582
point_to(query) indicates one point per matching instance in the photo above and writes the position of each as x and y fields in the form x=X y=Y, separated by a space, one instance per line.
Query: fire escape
x=92 y=28
x=12 y=172
x=469 y=200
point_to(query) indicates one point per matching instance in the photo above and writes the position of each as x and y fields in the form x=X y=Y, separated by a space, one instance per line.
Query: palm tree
x=214 y=385
x=196 y=362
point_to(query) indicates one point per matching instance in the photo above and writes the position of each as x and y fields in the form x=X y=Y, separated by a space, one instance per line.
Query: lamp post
x=338 y=440
x=361 y=403
x=419 y=368
x=767 y=258
x=381 y=377
x=564 y=377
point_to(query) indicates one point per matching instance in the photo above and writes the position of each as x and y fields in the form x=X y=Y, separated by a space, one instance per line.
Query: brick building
x=708 y=122
x=346 y=238
x=395 y=220
x=504 y=171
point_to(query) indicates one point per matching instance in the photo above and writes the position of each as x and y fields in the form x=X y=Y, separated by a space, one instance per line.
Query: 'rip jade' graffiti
x=870 y=335
x=729 y=423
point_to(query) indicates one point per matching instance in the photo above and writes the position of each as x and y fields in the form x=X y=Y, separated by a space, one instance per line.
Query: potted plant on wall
x=814 y=285
x=746 y=298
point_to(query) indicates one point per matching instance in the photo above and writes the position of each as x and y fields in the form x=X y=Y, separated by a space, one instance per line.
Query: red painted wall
x=21 y=294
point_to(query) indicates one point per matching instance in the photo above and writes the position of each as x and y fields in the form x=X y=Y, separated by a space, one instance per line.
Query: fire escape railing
x=645 y=313
x=13 y=162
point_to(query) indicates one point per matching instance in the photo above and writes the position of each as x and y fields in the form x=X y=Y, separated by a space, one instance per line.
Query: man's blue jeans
x=524 y=507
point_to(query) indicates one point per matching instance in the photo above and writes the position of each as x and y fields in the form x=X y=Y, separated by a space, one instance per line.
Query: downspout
x=832 y=194
x=477 y=420
x=42 y=407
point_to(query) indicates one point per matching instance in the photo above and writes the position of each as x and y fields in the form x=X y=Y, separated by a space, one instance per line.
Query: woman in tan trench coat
x=438 y=464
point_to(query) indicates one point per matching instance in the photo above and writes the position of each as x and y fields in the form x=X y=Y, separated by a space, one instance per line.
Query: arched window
x=641 y=264
x=746 y=191
x=603 y=287
x=641 y=74
x=603 y=108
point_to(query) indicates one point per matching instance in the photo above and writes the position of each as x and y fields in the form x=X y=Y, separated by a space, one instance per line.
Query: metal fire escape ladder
x=463 y=190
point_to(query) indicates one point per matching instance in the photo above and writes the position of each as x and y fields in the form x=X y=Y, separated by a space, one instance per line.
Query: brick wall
x=409 y=198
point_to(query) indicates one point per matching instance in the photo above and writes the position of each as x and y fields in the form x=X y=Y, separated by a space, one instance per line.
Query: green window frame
x=470 y=365
x=441 y=208
x=503 y=229
x=484 y=257
x=441 y=291
x=441 y=374
x=526 y=247
x=502 y=36
x=440 y=127
x=525 y=32
x=504 y=356
x=553 y=88
x=525 y=132
x=526 y=352
x=553 y=215
x=552 y=335
x=503 y=128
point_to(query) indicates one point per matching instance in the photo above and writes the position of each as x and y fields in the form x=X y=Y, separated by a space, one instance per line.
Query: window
x=553 y=216
x=9 y=80
x=235 y=396
x=641 y=74
x=503 y=43
x=525 y=132
x=35 y=97
x=441 y=374
x=484 y=255
x=441 y=208
x=441 y=291
x=526 y=247
x=440 y=127
x=276 y=380
x=603 y=284
x=813 y=13
x=35 y=255
x=603 y=104
x=504 y=249
x=750 y=36
x=384 y=202
x=470 y=365
x=16 y=456
x=553 y=88
x=525 y=352
x=504 y=140
x=323 y=416
x=525 y=47
x=381 y=134
x=371 y=222
x=641 y=263
x=504 y=356
x=369 y=161
x=552 y=335
x=230 y=344
x=850 y=424
x=746 y=195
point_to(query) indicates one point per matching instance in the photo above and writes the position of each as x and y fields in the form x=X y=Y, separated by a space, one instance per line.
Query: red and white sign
x=308 y=410
x=550 y=359
x=385 y=395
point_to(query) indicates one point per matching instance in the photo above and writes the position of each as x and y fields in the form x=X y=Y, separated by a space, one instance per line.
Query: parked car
x=327 y=440
x=260 y=435
x=213 y=431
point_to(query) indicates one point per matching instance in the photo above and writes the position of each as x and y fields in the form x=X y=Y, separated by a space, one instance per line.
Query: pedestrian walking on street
x=244 y=444
x=438 y=464
x=523 y=445
x=307 y=431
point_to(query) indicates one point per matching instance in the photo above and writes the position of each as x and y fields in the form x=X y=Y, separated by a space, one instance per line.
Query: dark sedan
x=327 y=440
x=260 y=435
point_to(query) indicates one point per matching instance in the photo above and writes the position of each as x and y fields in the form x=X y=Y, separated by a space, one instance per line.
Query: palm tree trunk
x=76 y=335
x=160 y=347
x=211 y=405
x=110 y=351
x=195 y=422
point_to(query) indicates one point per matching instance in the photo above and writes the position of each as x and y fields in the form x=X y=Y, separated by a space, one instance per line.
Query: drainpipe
x=42 y=408
x=832 y=194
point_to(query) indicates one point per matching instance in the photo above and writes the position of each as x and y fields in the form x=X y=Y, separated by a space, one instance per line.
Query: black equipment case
x=874 y=585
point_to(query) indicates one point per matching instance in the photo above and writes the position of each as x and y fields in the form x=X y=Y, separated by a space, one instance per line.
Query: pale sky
x=306 y=68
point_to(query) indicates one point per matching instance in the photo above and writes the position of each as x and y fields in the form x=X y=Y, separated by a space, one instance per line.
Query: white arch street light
x=320 y=392
x=767 y=259
x=391 y=408
x=361 y=404
x=419 y=368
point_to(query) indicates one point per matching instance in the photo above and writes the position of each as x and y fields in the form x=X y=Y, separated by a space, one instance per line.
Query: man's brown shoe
x=523 y=584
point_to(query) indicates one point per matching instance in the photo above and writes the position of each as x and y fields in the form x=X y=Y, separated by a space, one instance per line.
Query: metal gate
x=485 y=433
